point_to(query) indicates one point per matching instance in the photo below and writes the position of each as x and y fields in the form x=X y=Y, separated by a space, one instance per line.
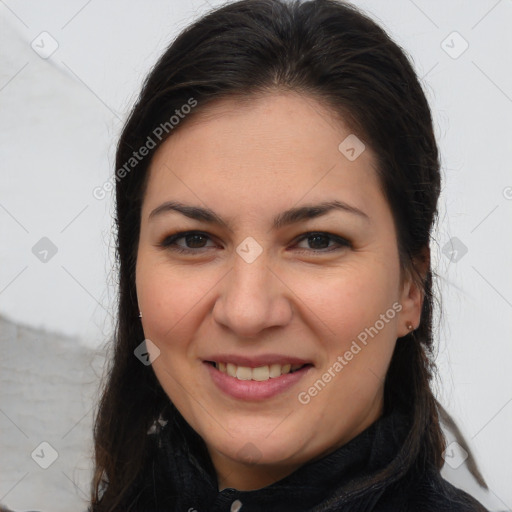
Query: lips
x=246 y=388
x=259 y=373
x=258 y=368
x=258 y=377
x=256 y=361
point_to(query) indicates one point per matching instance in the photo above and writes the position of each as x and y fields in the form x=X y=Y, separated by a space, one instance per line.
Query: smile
x=261 y=373
x=255 y=383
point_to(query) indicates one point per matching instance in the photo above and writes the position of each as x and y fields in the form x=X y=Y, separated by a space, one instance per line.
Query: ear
x=411 y=294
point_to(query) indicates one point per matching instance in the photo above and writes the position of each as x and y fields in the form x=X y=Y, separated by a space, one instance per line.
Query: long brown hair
x=325 y=49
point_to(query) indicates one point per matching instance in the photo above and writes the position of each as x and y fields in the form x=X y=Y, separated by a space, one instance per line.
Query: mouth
x=260 y=373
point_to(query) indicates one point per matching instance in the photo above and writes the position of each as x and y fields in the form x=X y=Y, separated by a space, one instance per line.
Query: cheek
x=170 y=298
x=347 y=300
x=162 y=298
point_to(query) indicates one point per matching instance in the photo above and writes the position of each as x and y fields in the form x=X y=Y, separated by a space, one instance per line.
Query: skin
x=248 y=162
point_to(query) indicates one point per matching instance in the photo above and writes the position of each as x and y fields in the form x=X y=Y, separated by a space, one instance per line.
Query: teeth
x=260 y=374
x=231 y=370
x=243 y=373
x=275 y=370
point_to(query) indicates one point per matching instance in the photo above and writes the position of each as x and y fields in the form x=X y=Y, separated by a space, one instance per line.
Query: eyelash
x=169 y=242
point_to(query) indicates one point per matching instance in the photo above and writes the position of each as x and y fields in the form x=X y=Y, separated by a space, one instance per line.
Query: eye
x=195 y=242
x=319 y=238
x=195 y=238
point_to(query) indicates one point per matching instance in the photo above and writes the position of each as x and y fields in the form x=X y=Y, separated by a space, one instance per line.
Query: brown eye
x=193 y=240
x=196 y=241
x=319 y=242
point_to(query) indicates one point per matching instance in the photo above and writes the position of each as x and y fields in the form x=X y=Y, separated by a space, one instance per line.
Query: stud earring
x=410 y=326
x=140 y=314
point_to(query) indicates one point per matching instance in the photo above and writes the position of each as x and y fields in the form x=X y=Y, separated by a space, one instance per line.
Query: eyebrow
x=291 y=216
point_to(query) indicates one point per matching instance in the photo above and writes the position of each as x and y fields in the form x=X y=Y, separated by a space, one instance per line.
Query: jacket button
x=236 y=506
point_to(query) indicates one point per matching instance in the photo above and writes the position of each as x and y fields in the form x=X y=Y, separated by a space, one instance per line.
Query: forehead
x=274 y=149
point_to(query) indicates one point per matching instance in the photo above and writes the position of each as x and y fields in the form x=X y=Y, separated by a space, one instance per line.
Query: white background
x=59 y=122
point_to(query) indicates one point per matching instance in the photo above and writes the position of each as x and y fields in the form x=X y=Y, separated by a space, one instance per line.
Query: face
x=316 y=291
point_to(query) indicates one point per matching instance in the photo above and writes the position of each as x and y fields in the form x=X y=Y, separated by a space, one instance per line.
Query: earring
x=410 y=326
x=140 y=314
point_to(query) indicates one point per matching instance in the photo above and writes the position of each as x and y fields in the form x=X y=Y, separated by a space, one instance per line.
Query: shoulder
x=431 y=493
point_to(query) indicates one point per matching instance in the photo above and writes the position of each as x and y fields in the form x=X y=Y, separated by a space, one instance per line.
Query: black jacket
x=343 y=481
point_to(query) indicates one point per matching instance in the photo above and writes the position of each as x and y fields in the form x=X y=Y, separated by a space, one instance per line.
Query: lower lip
x=253 y=389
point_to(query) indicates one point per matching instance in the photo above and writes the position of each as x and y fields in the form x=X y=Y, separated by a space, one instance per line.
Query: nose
x=252 y=298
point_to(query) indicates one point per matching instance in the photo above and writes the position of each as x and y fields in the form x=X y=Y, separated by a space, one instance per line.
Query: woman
x=276 y=186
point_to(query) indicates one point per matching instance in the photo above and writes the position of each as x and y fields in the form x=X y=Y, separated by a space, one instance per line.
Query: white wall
x=60 y=116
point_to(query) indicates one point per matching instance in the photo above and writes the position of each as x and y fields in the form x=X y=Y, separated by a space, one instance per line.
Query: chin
x=259 y=449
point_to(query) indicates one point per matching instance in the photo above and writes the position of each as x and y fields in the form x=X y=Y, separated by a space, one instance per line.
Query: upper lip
x=256 y=361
